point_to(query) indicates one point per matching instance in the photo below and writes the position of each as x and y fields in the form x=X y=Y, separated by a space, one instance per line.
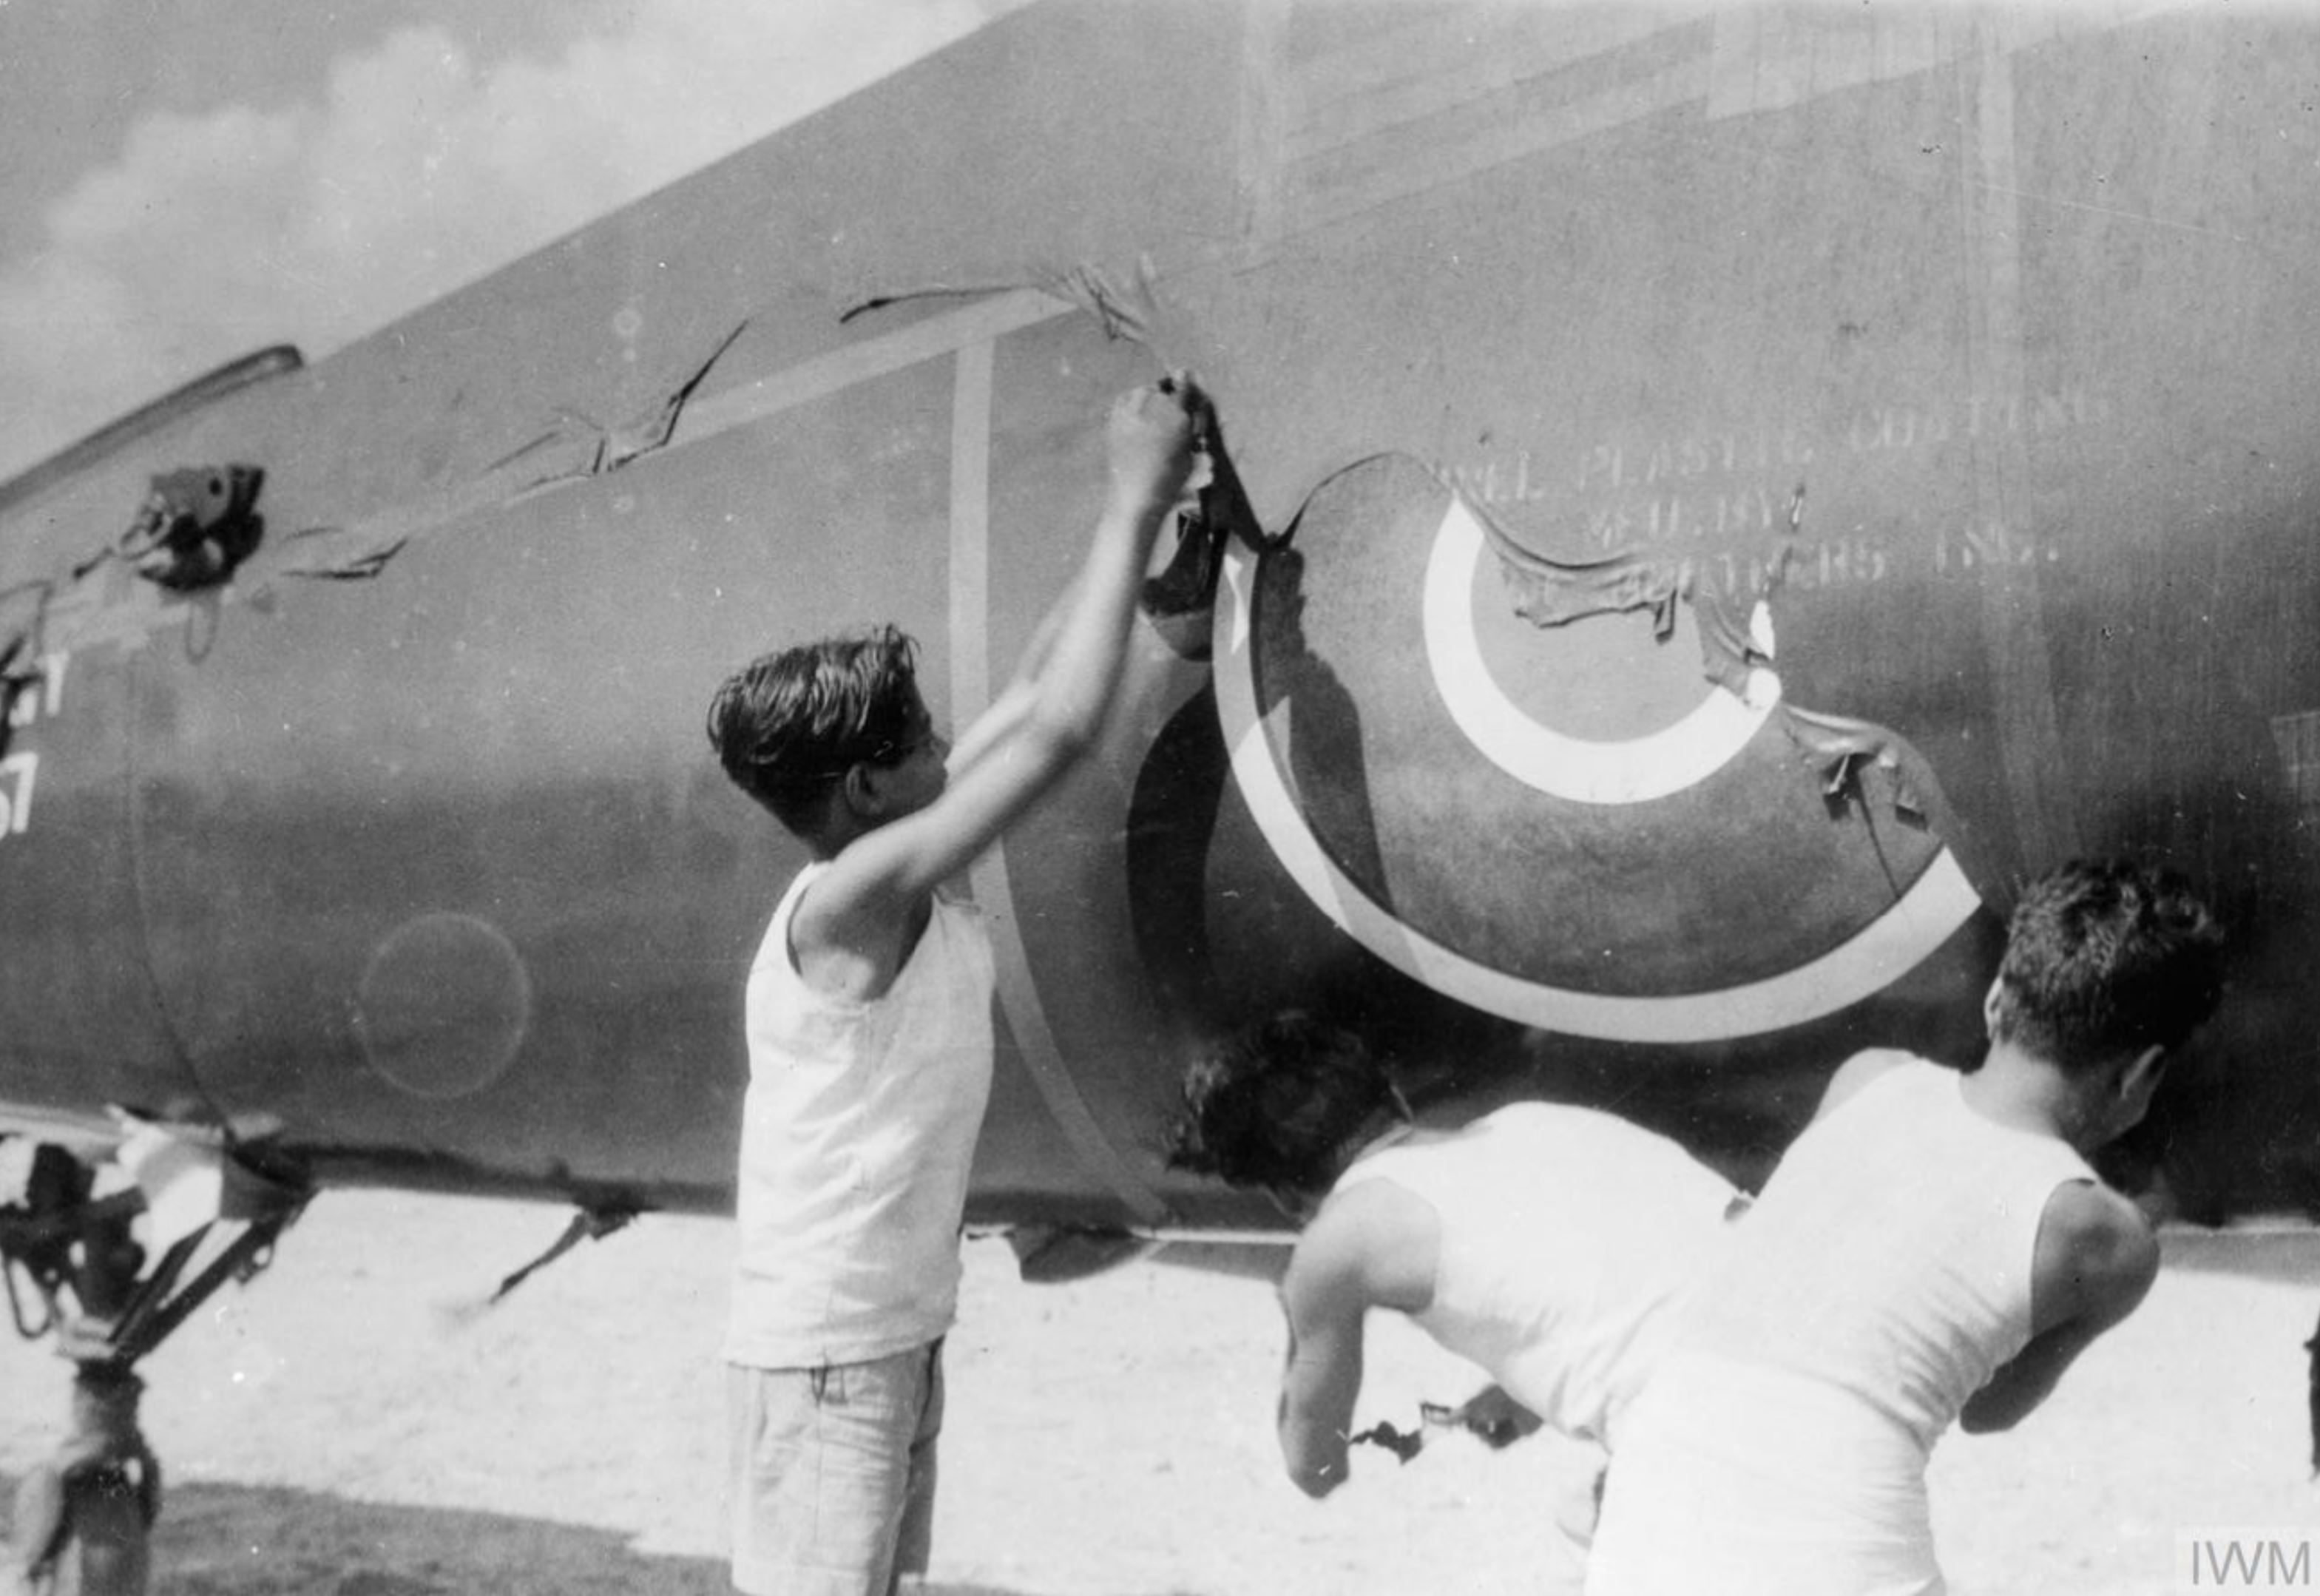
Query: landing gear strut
x=82 y=1515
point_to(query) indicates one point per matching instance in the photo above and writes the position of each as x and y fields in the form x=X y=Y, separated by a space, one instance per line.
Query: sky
x=184 y=181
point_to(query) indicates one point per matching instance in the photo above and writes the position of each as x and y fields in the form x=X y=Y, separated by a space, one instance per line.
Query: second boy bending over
x=1545 y=1244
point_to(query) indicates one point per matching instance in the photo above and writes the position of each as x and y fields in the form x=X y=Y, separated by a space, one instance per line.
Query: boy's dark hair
x=2104 y=958
x=1276 y=1104
x=788 y=725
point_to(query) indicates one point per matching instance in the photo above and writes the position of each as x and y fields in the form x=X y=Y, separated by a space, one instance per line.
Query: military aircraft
x=1709 y=500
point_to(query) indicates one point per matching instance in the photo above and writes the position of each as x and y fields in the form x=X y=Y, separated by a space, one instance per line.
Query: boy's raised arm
x=876 y=885
x=1006 y=712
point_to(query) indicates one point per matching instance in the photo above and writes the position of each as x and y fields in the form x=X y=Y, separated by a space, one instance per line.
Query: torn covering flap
x=652 y=426
x=576 y=446
x=353 y=567
x=1842 y=752
x=587 y=447
x=568 y=428
x=1550 y=592
x=1729 y=652
x=1555 y=592
x=1132 y=310
x=879 y=302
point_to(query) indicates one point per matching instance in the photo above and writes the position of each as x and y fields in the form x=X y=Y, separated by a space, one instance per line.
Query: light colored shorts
x=833 y=1473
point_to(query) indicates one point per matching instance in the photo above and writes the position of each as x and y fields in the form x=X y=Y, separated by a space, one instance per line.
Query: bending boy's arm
x=1326 y=1300
x=875 y=884
x=2095 y=1260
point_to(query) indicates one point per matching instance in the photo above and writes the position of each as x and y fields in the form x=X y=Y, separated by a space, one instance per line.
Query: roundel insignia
x=1566 y=825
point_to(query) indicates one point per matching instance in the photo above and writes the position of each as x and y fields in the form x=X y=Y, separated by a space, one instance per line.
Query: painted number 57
x=17 y=773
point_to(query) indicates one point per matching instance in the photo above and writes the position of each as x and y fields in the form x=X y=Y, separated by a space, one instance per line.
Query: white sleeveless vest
x=1566 y=1235
x=1877 y=1284
x=857 y=1138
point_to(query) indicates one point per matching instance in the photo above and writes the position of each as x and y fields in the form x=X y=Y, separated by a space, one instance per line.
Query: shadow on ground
x=247 y=1540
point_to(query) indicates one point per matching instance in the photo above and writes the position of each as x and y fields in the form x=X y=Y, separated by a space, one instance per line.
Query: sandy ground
x=337 y=1427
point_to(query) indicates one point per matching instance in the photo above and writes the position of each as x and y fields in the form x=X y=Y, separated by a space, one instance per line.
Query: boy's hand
x=1153 y=437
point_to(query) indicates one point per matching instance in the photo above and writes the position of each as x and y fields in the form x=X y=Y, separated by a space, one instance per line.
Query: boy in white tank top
x=1545 y=1244
x=870 y=1043
x=1933 y=1247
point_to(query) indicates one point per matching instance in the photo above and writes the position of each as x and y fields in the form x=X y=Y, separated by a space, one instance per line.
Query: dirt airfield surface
x=349 y=1425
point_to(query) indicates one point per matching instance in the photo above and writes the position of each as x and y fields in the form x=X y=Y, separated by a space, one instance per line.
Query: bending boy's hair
x=2106 y=958
x=1276 y=1104
x=788 y=725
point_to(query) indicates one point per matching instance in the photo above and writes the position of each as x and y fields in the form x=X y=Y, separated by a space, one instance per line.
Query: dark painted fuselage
x=409 y=836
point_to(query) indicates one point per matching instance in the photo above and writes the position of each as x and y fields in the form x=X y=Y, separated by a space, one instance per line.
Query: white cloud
x=414 y=172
